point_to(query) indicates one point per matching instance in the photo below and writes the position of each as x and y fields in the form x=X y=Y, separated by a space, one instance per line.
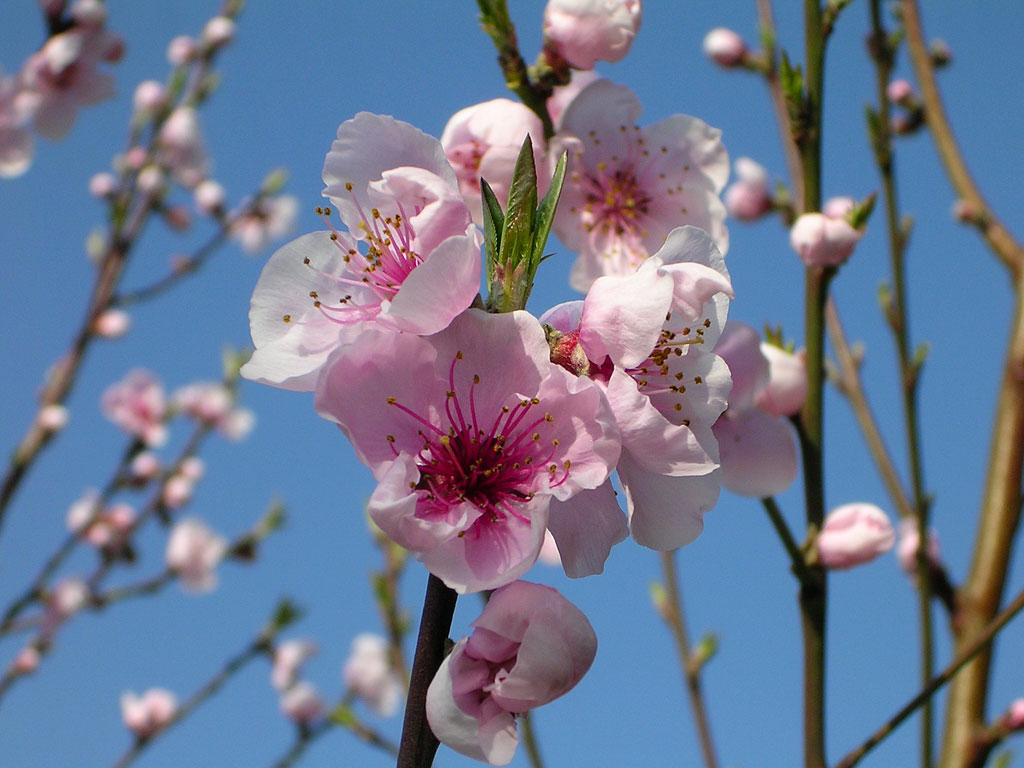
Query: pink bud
x=193 y=468
x=150 y=96
x=786 y=390
x=584 y=32
x=238 y=423
x=724 y=47
x=52 y=418
x=26 y=662
x=181 y=50
x=178 y=491
x=135 y=158
x=302 y=704
x=1014 y=717
x=89 y=13
x=113 y=48
x=838 y=207
x=151 y=180
x=219 y=31
x=144 y=467
x=209 y=197
x=83 y=511
x=102 y=185
x=145 y=715
x=906 y=550
x=965 y=211
x=368 y=674
x=821 y=241
x=112 y=324
x=748 y=198
x=68 y=597
x=177 y=217
x=854 y=534
x=193 y=552
x=899 y=91
x=289 y=657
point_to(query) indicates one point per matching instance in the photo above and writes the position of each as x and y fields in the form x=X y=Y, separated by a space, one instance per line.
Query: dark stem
x=796 y=555
x=418 y=743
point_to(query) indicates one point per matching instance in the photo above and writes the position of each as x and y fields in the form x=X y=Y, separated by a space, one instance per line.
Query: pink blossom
x=144 y=467
x=26 y=662
x=529 y=646
x=484 y=141
x=724 y=47
x=150 y=96
x=368 y=674
x=787 y=382
x=182 y=148
x=1014 y=717
x=647 y=338
x=748 y=198
x=209 y=197
x=52 y=417
x=584 y=32
x=149 y=713
x=211 y=403
x=627 y=187
x=854 y=534
x=15 y=139
x=302 y=703
x=104 y=528
x=112 y=324
x=906 y=549
x=470 y=433
x=219 y=30
x=821 y=241
x=67 y=598
x=62 y=77
x=181 y=50
x=410 y=237
x=136 y=404
x=193 y=468
x=757 y=447
x=272 y=219
x=193 y=552
x=899 y=91
x=102 y=185
x=289 y=657
x=178 y=491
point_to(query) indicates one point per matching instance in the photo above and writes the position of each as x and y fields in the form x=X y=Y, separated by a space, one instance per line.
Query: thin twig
x=691 y=668
x=796 y=555
x=530 y=740
x=979 y=643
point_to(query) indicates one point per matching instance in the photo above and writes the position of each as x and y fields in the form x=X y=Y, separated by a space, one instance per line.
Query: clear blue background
x=294 y=73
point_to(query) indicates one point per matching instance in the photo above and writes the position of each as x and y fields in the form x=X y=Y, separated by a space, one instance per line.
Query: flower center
x=616 y=203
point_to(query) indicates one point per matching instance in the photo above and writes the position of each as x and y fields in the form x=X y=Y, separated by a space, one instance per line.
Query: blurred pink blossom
x=368 y=674
x=181 y=50
x=272 y=219
x=1014 y=717
x=748 y=198
x=786 y=390
x=52 y=418
x=26 y=662
x=146 y=714
x=181 y=146
x=193 y=552
x=854 y=534
x=112 y=324
x=15 y=140
x=137 y=405
x=529 y=646
x=563 y=95
x=302 y=703
x=584 y=32
x=906 y=549
x=821 y=241
x=724 y=47
x=219 y=30
x=289 y=657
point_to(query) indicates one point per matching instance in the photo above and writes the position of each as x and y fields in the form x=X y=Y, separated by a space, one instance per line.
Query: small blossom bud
x=68 y=598
x=965 y=212
x=113 y=48
x=906 y=550
x=899 y=91
x=144 y=467
x=193 y=468
x=786 y=390
x=209 y=197
x=302 y=704
x=150 y=96
x=838 y=207
x=83 y=511
x=181 y=50
x=854 y=534
x=52 y=418
x=102 y=185
x=219 y=31
x=25 y=662
x=178 y=491
x=368 y=674
x=584 y=32
x=748 y=198
x=112 y=324
x=821 y=241
x=289 y=657
x=941 y=53
x=177 y=217
x=238 y=423
x=193 y=552
x=145 y=715
x=135 y=158
x=89 y=13
x=724 y=47
x=1014 y=717
x=151 y=180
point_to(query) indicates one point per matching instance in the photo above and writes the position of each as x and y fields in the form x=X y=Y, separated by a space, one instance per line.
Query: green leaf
x=546 y=213
x=516 y=246
x=494 y=222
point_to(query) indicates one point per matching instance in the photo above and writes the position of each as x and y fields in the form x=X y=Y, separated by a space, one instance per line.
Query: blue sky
x=293 y=74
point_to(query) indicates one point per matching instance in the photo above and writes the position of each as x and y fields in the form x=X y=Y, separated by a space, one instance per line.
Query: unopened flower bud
x=112 y=324
x=1014 y=717
x=181 y=50
x=219 y=31
x=838 y=207
x=135 y=158
x=52 y=418
x=68 y=597
x=209 y=197
x=193 y=468
x=178 y=491
x=748 y=198
x=899 y=91
x=821 y=241
x=965 y=211
x=193 y=552
x=724 y=47
x=302 y=704
x=150 y=96
x=289 y=657
x=177 y=217
x=786 y=390
x=854 y=534
x=113 y=48
x=584 y=32
x=102 y=185
x=25 y=662
x=145 y=715
x=941 y=53
x=151 y=180
x=89 y=13
x=144 y=467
